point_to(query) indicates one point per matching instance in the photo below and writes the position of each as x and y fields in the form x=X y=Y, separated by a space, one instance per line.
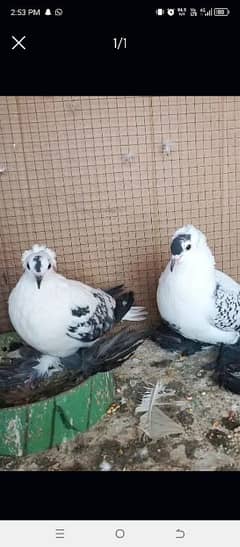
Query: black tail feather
x=227 y=368
x=124 y=300
x=106 y=354
x=123 y=303
x=113 y=351
x=171 y=340
x=115 y=291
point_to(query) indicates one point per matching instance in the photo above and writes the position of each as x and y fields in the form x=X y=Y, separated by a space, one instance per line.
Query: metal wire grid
x=105 y=181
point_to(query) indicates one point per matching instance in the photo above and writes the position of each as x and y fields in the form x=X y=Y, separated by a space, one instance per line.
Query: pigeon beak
x=39 y=281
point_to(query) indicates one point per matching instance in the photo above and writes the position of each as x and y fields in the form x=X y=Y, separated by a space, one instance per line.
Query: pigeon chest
x=184 y=298
x=38 y=315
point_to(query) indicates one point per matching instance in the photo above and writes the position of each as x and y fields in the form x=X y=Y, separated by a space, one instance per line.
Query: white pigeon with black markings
x=197 y=300
x=57 y=316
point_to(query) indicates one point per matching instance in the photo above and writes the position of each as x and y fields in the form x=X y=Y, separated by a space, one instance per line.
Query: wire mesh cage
x=105 y=181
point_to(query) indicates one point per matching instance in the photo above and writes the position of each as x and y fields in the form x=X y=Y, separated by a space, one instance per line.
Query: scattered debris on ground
x=205 y=437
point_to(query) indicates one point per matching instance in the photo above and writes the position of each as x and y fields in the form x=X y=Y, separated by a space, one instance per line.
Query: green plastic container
x=41 y=425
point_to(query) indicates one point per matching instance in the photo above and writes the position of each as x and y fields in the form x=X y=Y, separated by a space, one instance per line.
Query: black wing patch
x=78 y=311
x=228 y=309
x=95 y=326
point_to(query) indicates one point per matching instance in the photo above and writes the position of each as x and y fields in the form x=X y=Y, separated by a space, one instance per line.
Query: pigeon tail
x=136 y=313
x=111 y=352
x=21 y=384
x=16 y=370
x=123 y=305
x=170 y=339
x=125 y=310
x=115 y=291
x=227 y=368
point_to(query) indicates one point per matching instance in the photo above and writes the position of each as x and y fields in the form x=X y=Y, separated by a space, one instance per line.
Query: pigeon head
x=185 y=243
x=39 y=261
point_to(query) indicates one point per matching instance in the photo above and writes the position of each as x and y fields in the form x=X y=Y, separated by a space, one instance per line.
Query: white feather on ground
x=154 y=422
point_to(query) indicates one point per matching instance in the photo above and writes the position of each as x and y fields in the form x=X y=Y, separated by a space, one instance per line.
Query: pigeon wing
x=227 y=299
x=226 y=282
x=91 y=313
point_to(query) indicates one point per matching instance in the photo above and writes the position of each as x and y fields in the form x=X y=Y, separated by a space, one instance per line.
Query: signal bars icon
x=206 y=11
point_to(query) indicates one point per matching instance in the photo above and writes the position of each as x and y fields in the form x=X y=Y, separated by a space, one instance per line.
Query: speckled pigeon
x=198 y=301
x=200 y=307
x=57 y=316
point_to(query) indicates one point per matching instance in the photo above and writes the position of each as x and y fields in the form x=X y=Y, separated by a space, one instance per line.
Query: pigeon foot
x=48 y=365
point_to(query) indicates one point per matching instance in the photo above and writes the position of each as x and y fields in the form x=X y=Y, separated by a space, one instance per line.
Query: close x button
x=18 y=42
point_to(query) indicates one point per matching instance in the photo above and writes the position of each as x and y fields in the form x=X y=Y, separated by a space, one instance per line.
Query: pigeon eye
x=49 y=266
x=28 y=267
x=188 y=247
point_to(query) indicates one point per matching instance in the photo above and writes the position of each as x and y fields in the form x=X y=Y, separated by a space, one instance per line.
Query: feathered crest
x=37 y=249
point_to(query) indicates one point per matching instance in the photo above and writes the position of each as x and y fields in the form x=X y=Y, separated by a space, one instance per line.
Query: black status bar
x=120 y=49
x=117 y=12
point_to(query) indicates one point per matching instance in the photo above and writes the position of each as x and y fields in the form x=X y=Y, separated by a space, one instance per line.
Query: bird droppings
x=210 y=439
x=105 y=466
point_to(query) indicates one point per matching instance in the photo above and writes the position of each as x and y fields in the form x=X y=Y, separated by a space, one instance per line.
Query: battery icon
x=221 y=11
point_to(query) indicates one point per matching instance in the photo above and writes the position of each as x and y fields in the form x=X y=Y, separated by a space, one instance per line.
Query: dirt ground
x=209 y=419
